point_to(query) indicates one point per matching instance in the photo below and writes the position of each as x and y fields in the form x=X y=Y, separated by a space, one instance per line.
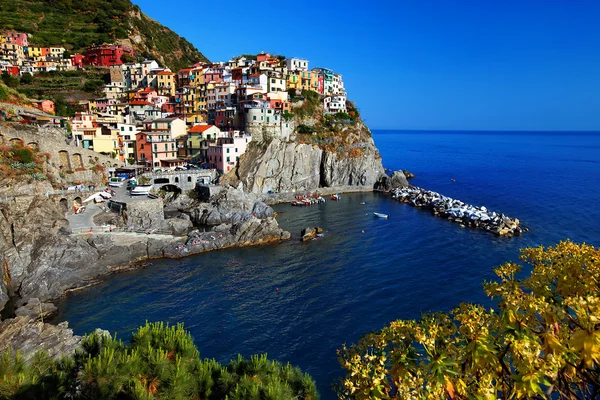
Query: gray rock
x=35 y=309
x=288 y=166
x=27 y=336
x=177 y=226
x=396 y=180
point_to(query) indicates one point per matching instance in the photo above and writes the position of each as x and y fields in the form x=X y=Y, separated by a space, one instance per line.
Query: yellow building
x=106 y=141
x=165 y=83
x=310 y=80
x=294 y=80
x=197 y=77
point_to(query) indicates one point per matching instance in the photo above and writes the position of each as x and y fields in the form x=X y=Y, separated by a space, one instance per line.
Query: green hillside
x=76 y=24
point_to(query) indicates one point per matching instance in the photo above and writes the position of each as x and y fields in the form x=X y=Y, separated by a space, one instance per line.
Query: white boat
x=141 y=190
x=379 y=215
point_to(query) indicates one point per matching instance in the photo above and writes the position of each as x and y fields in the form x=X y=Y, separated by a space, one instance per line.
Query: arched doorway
x=64 y=205
x=77 y=161
x=64 y=160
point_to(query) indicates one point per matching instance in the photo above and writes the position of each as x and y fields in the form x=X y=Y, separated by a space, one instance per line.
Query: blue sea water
x=333 y=290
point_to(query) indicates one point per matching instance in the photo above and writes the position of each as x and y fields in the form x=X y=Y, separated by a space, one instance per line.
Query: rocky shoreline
x=459 y=212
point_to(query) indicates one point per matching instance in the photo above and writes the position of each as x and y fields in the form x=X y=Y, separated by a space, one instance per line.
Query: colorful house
x=44 y=105
x=199 y=137
x=227 y=151
x=106 y=55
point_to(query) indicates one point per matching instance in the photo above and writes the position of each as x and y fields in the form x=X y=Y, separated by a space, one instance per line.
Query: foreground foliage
x=543 y=343
x=161 y=362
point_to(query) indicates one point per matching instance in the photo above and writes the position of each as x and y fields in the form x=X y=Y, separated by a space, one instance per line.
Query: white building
x=256 y=80
x=296 y=64
x=335 y=104
x=114 y=90
x=276 y=84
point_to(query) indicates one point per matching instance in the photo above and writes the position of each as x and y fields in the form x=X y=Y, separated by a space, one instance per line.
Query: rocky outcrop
x=35 y=309
x=149 y=216
x=42 y=259
x=310 y=233
x=286 y=166
x=28 y=336
x=396 y=180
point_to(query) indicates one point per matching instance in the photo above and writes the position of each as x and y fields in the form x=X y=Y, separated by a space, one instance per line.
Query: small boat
x=335 y=197
x=362 y=203
x=141 y=190
x=379 y=215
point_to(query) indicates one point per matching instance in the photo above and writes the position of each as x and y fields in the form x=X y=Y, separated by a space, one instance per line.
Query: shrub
x=22 y=154
x=305 y=129
x=161 y=362
x=542 y=342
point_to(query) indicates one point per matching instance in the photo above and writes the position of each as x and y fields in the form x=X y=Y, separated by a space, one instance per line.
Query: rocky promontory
x=42 y=258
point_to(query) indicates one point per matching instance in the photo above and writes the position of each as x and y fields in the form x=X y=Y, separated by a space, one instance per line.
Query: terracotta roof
x=199 y=128
x=165 y=73
x=147 y=90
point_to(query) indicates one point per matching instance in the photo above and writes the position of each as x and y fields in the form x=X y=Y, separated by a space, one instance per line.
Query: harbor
x=459 y=212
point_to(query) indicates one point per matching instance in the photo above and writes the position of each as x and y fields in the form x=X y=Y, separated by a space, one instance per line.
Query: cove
x=335 y=289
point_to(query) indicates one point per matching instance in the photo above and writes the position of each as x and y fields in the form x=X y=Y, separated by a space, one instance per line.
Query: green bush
x=26 y=79
x=161 y=362
x=23 y=154
x=305 y=129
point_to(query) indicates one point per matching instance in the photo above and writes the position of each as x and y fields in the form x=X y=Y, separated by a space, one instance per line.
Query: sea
x=299 y=302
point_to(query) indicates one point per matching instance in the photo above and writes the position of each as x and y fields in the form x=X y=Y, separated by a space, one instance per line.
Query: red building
x=11 y=70
x=168 y=108
x=106 y=55
x=77 y=60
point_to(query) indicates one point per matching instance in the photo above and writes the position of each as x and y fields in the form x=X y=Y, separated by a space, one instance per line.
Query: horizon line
x=488 y=130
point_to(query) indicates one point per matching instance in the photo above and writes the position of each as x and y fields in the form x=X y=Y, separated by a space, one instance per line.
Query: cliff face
x=309 y=162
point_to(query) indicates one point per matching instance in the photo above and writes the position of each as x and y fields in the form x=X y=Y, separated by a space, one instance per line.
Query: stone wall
x=54 y=141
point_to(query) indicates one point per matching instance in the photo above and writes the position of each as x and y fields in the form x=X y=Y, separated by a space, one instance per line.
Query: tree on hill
x=161 y=362
x=542 y=343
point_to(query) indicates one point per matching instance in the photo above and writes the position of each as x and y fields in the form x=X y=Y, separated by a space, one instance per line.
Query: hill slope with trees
x=78 y=24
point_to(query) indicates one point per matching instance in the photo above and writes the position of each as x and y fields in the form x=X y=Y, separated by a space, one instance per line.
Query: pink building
x=226 y=153
x=44 y=105
x=156 y=145
x=17 y=38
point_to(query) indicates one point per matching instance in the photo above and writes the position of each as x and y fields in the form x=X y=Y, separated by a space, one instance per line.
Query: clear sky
x=423 y=64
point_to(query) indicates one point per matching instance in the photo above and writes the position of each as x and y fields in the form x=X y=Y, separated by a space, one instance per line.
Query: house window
x=227 y=159
x=228 y=150
x=254 y=118
x=122 y=129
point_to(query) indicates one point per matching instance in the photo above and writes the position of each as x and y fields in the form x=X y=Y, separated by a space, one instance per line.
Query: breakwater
x=458 y=211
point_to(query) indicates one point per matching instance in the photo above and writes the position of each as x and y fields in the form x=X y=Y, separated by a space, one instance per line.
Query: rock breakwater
x=459 y=212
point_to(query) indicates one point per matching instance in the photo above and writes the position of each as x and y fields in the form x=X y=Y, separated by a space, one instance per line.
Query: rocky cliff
x=42 y=259
x=335 y=155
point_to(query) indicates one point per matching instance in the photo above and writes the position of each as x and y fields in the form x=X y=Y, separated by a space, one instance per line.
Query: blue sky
x=471 y=64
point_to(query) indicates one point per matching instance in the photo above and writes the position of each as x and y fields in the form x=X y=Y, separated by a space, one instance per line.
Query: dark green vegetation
x=543 y=341
x=78 y=24
x=161 y=362
x=75 y=85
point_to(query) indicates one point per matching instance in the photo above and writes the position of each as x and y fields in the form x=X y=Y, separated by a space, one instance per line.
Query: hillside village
x=205 y=114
